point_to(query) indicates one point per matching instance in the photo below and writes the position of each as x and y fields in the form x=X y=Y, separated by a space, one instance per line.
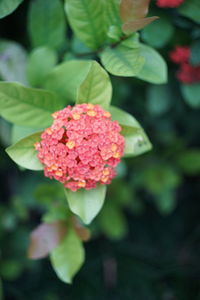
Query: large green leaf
x=20 y=132
x=112 y=12
x=13 y=59
x=86 y=18
x=191 y=9
x=68 y=257
x=25 y=154
x=96 y=87
x=154 y=69
x=81 y=81
x=46 y=23
x=86 y=203
x=27 y=106
x=40 y=62
x=8 y=6
x=122 y=60
x=191 y=94
x=66 y=78
x=136 y=140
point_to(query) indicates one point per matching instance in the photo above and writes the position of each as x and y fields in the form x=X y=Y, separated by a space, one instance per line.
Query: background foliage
x=151 y=251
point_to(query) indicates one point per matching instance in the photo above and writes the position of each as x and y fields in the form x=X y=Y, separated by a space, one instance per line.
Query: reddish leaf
x=133 y=9
x=45 y=238
x=136 y=25
x=81 y=231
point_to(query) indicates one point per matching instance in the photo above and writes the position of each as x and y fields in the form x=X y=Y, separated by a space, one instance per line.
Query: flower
x=180 y=54
x=187 y=73
x=169 y=3
x=82 y=147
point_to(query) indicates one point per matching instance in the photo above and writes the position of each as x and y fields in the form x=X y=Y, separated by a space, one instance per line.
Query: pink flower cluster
x=82 y=147
x=169 y=3
x=187 y=73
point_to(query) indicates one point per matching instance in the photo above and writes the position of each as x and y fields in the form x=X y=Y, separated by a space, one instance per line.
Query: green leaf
x=154 y=69
x=113 y=222
x=8 y=6
x=189 y=161
x=158 y=99
x=136 y=141
x=191 y=9
x=87 y=20
x=24 y=153
x=81 y=81
x=86 y=203
x=19 y=132
x=191 y=94
x=13 y=59
x=122 y=61
x=46 y=23
x=112 y=14
x=96 y=87
x=27 y=106
x=40 y=62
x=158 y=33
x=66 y=78
x=68 y=257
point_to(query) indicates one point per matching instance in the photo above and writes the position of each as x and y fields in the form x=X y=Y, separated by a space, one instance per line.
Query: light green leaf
x=27 y=106
x=68 y=257
x=113 y=222
x=136 y=140
x=191 y=94
x=112 y=15
x=86 y=18
x=191 y=9
x=40 y=62
x=81 y=81
x=46 y=23
x=24 y=153
x=66 y=78
x=154 y=69
x=158 y=33
x=124 y=118
x=20 y=132
x=8 y=6
x=158 y=99
x=122 y=61
x=13 y=59
x=86 y=203
x=96 y=87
